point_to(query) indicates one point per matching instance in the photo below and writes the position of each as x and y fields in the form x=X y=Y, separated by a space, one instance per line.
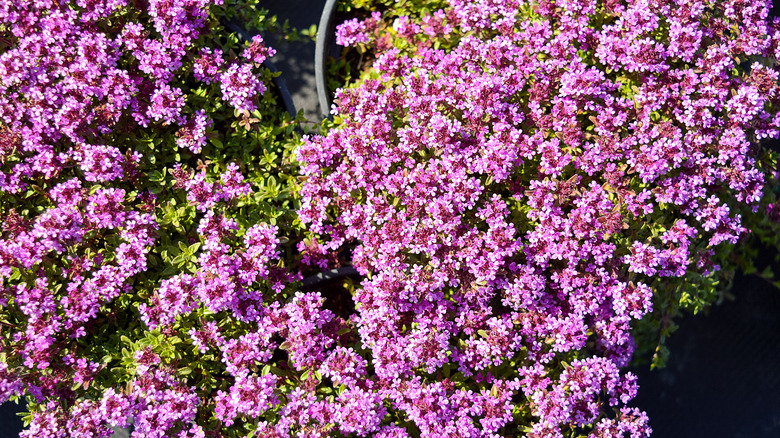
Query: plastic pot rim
x=325 y=32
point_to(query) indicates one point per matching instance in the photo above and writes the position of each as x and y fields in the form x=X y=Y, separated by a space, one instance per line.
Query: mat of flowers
x=520 y=179
x=146 y=175
x=522 y=185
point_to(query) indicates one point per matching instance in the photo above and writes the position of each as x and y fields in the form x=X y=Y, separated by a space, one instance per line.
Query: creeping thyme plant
x=148 y=197
x=522 y=184
x=526 y=184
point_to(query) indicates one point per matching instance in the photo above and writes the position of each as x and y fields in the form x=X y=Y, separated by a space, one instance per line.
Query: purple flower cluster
x=193 y=134
x=258 y=52
x=225 y=276
x=79 y=82
x=240 y=86
x=505 y=194
x=249 y=396
x=65 y=81
x=158 y=405
x=90 y=279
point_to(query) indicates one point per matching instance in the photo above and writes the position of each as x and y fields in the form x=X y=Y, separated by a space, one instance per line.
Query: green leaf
x=180 y=259
x=156 y=176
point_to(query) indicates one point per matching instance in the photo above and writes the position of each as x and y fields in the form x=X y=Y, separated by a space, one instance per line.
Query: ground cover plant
x=522 y=184
x=147 y=196
x=530 y=184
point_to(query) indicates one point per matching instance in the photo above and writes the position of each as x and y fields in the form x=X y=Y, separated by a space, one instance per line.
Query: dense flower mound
x=105 y=109
x=522 y=180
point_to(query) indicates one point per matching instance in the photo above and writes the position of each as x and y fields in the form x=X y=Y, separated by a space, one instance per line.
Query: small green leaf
x=180 y=259
x=156 y=176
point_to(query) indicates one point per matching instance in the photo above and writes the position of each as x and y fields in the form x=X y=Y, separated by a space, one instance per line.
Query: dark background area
x=722 y=379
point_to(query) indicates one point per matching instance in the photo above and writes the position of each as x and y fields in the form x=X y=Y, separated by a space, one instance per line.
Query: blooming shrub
x=526 y=183
x=148 y=197
x=523 y=184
